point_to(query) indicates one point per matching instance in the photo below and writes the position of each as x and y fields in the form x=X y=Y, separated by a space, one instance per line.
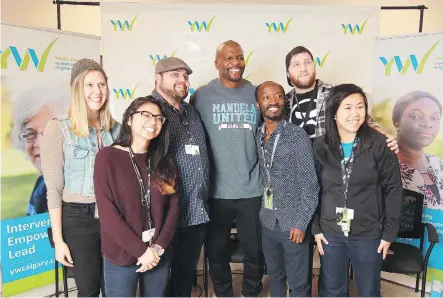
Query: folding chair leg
x=417 y=282
x=56 y=279
x=423 y=282
x=205 y=270
x=65 y=281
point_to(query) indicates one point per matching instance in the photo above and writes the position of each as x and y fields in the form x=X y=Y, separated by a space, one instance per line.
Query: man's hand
x=392 y=143
x=297 y=236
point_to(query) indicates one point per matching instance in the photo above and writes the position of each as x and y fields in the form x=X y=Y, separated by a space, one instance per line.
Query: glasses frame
x=163 y=118
x=24 y=135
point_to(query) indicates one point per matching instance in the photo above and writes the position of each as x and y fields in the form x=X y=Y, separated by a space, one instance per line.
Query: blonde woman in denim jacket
x=67 y=155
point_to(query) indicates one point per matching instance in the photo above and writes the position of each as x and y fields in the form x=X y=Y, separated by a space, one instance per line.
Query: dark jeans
x=366 y=263
x=188 y=243
x=287 y=262
x=121 y=281
x=246 y=215
x=81 y=232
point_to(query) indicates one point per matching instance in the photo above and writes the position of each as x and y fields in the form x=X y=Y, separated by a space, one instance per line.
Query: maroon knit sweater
x=121 y=213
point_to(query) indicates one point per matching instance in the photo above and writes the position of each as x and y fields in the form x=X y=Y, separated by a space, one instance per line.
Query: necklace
x=417 y=161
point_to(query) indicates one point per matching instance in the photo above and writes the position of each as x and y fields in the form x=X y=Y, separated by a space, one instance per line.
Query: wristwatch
x=158 y=249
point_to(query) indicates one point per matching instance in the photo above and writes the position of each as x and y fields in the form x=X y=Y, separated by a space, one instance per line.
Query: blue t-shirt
x=347 y=149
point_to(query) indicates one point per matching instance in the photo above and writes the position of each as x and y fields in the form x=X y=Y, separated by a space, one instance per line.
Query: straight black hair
x=333 y=101
x=162 y=164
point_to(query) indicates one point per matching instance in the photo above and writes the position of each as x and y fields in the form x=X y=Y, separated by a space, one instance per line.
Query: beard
x=174 y=94
x=305 y=85
x=235 y=80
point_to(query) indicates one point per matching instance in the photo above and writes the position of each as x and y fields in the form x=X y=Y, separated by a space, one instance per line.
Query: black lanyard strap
x=274 y=148
x=144 y=193
x=346 y=169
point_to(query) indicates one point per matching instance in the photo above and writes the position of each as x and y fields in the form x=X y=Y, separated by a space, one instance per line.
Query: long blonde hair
x=78 y=110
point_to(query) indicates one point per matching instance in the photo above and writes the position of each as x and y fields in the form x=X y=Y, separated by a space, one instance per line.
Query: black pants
x=188 y=243
x=81 y=232
x=287 y=263
x=246 y=215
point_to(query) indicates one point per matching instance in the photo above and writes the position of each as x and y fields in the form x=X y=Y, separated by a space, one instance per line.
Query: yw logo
x=156 y=58
x=353 y=29
x=201 y=25
x=274 y=27
x=122 y=25
x=411 y=60
x=125 y=93
x=321 y=61
x=31 y=55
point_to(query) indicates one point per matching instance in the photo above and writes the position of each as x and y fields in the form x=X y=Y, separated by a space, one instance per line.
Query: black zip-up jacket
x=375 y=190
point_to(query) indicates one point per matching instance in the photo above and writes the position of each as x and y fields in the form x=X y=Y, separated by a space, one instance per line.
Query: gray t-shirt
x=231 y=117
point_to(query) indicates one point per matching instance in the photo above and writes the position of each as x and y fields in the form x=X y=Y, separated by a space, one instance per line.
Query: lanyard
x=274 y=148
x=145 y=193
x=346 y=169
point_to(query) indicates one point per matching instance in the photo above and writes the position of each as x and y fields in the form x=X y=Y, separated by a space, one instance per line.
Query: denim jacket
x=79 y=156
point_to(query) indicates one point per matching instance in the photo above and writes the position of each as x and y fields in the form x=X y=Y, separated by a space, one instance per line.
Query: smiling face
x=419 y=124
x=146 y=123
x=230 y=62
x=302 y=71
x=174 y=84
x=350 y=114
x=33 y=132
x=271 y=98
x=95 y=90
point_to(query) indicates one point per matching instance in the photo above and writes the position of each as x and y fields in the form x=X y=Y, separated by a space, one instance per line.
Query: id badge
x=192 y=149
x=345 y=222
x=148 y=234
x=269 y=198
x=96 y=211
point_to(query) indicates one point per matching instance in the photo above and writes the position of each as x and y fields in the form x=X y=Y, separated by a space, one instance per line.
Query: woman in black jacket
x=361 y=195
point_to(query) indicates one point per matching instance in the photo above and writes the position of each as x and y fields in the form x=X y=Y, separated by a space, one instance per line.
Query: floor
x=393 y=285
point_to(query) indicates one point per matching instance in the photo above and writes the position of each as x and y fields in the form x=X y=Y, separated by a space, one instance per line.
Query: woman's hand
x=318 y=239
x=384 y=247
x=148 y=260
x=63 y=254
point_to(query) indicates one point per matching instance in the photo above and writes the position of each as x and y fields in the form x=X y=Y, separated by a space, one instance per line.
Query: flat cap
x=171 y=63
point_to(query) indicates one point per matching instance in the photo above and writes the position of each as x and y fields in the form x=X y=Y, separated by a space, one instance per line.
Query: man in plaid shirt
x=305 y=103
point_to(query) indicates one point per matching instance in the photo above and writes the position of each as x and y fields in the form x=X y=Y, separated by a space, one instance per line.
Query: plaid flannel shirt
x=322 y=90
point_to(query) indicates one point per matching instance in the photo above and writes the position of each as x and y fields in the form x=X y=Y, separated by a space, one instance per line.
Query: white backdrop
x=135 y=35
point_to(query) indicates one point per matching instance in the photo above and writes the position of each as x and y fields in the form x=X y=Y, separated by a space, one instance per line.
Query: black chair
x=406 y=258
x=66 y=274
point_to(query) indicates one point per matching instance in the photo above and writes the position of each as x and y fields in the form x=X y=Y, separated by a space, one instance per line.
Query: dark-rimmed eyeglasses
x=29 y=135
x=148 y=116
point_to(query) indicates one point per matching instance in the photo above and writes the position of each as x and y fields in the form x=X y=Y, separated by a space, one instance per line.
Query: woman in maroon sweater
x=137 y=196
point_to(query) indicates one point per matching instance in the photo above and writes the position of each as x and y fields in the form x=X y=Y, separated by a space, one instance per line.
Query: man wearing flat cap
x=188 y=145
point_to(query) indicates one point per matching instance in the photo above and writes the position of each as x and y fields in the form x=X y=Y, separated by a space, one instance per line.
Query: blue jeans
x=121 y=281
x=366 y=263
x=287 y=262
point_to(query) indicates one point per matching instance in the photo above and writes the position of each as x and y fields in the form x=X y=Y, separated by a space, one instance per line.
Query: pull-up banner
x=35 y=73
x=408 y=96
